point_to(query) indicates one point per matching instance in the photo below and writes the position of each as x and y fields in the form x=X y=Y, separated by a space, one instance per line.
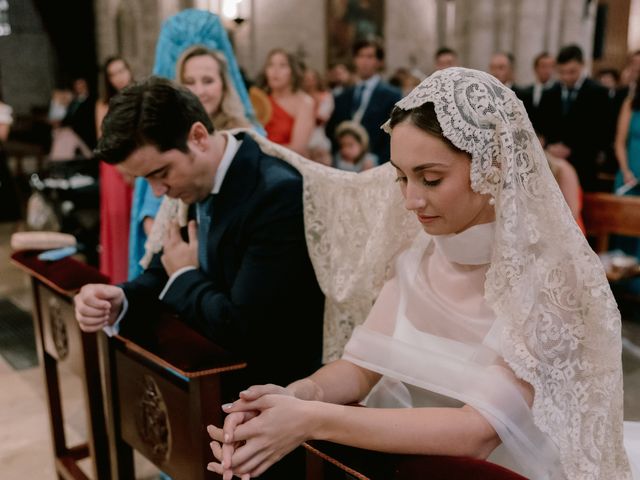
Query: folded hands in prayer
x=262 y=426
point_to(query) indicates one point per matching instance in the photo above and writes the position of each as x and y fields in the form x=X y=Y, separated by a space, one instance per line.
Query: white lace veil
x=559 y=321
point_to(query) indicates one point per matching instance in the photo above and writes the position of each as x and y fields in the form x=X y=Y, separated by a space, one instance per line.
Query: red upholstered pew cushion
x=66 y=275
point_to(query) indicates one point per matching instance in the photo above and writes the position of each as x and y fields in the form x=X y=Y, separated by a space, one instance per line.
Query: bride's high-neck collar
x=473 y=246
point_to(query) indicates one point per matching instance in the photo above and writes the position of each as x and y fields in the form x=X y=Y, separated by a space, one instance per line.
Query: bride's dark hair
x=424 y=117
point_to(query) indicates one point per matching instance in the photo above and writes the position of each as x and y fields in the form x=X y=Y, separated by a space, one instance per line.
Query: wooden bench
x=60 y=342
x=606 y=214
x=161 y=393
x=330 y=461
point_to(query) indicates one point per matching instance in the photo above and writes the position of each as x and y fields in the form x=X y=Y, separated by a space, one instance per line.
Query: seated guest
x=627 y=144
x=319 y=145
x=115 y=190
x=574 y=117
x=243 y=276
x=496 y=334
x=609 y=79
x=339 y=77
x=80 y=112
x=292 y=110
x=543 y=66
x=501 y=67
x=353 y=155
x=627 y=148
x=445 y=57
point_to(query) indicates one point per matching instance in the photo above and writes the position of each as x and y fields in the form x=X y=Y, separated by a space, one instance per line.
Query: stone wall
x=411 y=34
x=27 y=62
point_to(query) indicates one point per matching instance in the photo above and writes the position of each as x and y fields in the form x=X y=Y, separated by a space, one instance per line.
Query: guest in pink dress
x=115 y=191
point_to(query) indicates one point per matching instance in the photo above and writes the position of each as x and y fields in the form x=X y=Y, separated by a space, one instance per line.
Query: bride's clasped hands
x=262 y=426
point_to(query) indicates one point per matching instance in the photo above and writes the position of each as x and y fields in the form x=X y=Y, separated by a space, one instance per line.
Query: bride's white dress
x=430 y=334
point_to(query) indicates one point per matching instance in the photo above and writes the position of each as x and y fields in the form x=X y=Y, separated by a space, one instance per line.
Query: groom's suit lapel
x=238 y=185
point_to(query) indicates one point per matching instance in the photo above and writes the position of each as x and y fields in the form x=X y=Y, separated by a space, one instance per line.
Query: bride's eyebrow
x=419 y=168
x=427 y=166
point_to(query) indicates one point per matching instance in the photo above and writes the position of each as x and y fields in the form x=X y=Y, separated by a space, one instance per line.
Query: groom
x=241 y=274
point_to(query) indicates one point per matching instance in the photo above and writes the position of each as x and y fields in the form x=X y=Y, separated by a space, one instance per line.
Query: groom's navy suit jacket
x=260 y=298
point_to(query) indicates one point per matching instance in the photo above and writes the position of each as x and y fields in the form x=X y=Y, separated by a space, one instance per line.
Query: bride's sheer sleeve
x=383 y=313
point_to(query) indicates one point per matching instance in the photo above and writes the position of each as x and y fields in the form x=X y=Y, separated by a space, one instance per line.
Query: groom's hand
x=176 y=253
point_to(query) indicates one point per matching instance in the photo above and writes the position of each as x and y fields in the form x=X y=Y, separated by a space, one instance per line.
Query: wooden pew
x=606 y=214
x=59 y=342
x=161 y=392
x=330 y=461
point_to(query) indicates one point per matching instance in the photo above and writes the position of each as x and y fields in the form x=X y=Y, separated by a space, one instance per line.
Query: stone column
x=475 y=30
x=522 y=27
x=529 y=38
x=634 y=26
x=411 y=35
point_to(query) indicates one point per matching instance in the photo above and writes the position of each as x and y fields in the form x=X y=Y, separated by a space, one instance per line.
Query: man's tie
x=567 y=101
x=357 y=98
x=203 y=212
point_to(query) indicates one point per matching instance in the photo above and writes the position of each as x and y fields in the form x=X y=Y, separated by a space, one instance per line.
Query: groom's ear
x=198 y=136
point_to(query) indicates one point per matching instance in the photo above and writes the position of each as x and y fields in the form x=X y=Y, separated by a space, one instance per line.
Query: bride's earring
x=492 y=201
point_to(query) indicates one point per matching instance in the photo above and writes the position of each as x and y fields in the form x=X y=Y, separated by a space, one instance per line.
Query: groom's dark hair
x=153 y=112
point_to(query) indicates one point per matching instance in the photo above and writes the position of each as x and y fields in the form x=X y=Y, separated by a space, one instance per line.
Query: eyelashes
x=425 y=182
x=431 y=183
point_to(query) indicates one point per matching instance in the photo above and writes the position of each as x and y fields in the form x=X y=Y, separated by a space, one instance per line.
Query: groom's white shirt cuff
x=112 y=330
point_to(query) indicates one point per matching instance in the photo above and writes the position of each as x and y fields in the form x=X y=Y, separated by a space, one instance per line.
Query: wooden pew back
x=606 y=214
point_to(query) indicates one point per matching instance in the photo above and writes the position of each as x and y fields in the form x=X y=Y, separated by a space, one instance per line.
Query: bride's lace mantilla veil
x=559 y=323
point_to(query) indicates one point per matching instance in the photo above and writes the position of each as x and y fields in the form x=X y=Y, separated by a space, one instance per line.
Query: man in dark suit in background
x=243 y=278
x=80 y=114
x=369 y=102
x=573 y=117
x=501 y=67
x=543 y=66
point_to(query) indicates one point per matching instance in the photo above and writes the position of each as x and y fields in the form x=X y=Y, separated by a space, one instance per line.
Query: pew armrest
x=65 y=276
x=367 y=464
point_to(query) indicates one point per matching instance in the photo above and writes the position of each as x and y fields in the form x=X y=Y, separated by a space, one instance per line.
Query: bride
x=495 y=335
